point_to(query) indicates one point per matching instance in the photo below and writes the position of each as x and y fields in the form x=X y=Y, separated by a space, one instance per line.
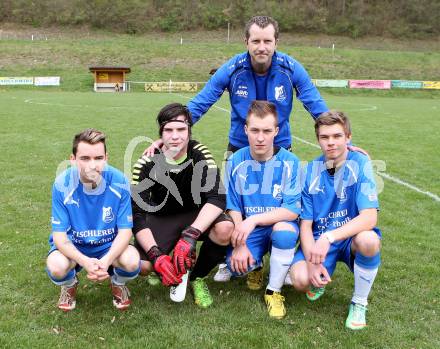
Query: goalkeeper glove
x=185 y=251
x=163 y=267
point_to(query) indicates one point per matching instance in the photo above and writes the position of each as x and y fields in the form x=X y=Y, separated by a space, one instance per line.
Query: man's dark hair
x=262 y=22
x=90 y=136
x=170 y=112
x=333 y=117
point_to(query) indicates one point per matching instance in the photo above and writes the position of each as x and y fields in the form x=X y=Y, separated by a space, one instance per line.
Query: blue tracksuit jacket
x=285 y=78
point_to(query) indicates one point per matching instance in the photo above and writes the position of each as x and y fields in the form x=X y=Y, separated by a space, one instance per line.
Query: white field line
x=33 y=101
x=385 y=175
x=410 y=186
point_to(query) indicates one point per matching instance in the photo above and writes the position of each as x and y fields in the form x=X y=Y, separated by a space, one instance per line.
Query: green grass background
x=399 y=128
x=36 y=132
x=160 y=57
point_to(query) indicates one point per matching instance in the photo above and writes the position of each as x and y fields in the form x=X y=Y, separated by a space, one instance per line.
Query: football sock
x=121 y=276
x=210 y=255
x=69 y=280
x=365 y=271
x=281 y=257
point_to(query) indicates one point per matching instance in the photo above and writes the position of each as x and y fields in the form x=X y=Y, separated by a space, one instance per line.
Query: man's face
x=175 y=137
x=261 y=46
x=261 y=134
x=333 y=142
x=90 y=160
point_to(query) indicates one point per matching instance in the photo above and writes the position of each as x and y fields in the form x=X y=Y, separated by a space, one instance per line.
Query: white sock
x=280 y=261
x=70 y=283
x=120 y=276
x=363 y=281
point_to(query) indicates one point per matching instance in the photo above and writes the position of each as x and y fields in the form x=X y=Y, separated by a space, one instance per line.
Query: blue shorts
x=338 y=252
x=97 y=253
x=259 y=242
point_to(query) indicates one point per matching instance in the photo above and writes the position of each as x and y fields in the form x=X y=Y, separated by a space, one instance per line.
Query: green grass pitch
x=36 y=133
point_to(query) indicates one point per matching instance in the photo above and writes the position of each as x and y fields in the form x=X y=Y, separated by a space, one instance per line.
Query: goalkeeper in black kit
x=178 y=199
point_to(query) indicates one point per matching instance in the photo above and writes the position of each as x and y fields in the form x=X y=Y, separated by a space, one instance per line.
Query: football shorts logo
x=107 y=214
x=277 y=191
x=280 y=93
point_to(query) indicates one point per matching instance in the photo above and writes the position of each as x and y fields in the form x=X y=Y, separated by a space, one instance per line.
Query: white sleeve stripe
x=68 y=197
x=311 y=187
x=237 y=167
x=352 y=172
x=115 y=192
x=289 y=170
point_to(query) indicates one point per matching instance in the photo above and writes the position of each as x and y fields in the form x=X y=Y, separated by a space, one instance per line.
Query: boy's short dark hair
x=90 y=136
x=333 y=117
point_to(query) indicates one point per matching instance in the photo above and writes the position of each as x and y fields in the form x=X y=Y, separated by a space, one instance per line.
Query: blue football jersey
x=91 y=218
x=330 y=201
x=256 y=187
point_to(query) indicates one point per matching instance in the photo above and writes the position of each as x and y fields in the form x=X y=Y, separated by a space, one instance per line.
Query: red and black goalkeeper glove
x=185 y=251
x=164 y=267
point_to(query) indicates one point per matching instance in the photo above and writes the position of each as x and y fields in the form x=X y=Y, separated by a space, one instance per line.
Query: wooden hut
x=110 y=79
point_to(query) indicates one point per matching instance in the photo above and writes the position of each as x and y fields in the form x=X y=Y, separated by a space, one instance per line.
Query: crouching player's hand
x=185 y=251
x=164 y=267
x=241 y=259
x=94 y=272
x=318 y=274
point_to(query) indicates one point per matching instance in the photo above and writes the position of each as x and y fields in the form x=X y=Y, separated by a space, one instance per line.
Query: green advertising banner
x=406 y=84
x=331 y=83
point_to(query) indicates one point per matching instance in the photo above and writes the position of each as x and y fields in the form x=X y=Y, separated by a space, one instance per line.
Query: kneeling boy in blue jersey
x=338 y=220
x=264 y=201
x=91 y=224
